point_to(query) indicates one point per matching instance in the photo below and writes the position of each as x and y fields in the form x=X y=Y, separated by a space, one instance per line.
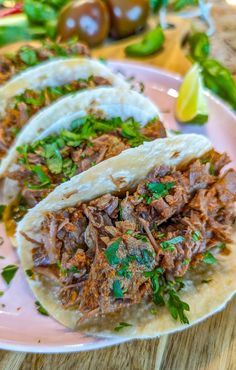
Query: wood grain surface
x=210 y=345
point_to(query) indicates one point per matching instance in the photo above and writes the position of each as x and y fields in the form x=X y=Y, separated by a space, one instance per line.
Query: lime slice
x=191 y=105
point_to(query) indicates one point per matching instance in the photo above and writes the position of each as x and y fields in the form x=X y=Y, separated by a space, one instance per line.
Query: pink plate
x=21 y=327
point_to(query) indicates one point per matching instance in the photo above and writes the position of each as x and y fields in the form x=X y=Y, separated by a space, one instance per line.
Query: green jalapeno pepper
x=151 y=43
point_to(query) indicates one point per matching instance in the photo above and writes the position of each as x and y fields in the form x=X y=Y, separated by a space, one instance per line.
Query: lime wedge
x=191 y=104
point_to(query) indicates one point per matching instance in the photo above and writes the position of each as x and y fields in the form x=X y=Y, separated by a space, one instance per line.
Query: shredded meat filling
x=82 y=156
x=18 y=113
x=10 y=65
x=105 y=249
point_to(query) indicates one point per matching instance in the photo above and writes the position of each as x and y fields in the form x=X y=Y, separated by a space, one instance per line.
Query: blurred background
x=102 y=23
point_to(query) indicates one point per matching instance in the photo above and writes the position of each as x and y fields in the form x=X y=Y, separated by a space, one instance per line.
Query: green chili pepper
x=151 y=43
x=199 y=46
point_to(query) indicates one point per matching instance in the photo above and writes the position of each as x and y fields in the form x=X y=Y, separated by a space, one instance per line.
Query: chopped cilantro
x=168 y=244
x=154 y=311
x=9 y=272
x=175 y=132
x=29 y=273
x=28 y=56
x=209 y=258
x=177 y=307
x=2 y=257
x=159 y=189
x=138 y=236
x=1 y=293
x=129 y=232
x=110 y=252
x=41 y=309
x=43 y=178
x=185 y=262
x=73 y=269
x=2 y=208
x=196 y=236
x=117 y=290
x=165 y=293
x=121 y=326
x=123 y=272
x=206 y=281
x=53 y=158
x=221 y=245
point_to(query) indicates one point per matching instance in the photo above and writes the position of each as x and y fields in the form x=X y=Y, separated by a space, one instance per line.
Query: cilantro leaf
x=28 y=56
x=1 y=293
x=196 y=236
x=206 y=281
x=29 y=273
x=159 y=189
x=110 y=252
x=9 y=272
x=43 y=178
x=177 y=307
x=117 y=290
x=168 y=244
x=53 y=158
x=41 y=309
x=121 y=326
x=209 y=258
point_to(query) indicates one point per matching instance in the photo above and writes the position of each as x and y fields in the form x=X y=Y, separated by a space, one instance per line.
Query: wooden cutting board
x=210 y=345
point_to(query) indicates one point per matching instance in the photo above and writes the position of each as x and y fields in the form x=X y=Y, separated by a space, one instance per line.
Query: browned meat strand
x=10 y=65
x=105 y=249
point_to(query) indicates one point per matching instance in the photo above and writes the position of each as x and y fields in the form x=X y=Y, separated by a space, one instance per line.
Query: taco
x=136 y=246
x=89 y=127
x=38 y=87
x=28 y=56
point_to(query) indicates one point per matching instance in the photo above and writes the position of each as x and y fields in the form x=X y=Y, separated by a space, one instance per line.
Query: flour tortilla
x=50 y=74
x=127 y=170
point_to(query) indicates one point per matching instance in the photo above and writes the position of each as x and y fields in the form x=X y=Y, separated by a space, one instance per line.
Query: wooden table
x=207 y=346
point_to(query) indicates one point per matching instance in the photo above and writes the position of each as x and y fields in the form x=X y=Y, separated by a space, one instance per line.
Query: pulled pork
x=106 y=253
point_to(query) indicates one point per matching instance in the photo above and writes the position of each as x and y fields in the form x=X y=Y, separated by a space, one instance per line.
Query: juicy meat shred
x=105 y=247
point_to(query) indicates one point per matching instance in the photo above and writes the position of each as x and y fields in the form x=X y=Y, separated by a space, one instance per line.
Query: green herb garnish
x=206 y=281
x=121 y=326
x=117 y=290
x=185 y=262
x=159 y=189
x=43 y=178
x=28 y=56
x=2 y=257
x=196 y=236
x=110 y=252
x=168 y=244
x=209 y=258
x=165 y=293
x=41 y=309
x=29 y=273
x=9 y=272
x=177 y=307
